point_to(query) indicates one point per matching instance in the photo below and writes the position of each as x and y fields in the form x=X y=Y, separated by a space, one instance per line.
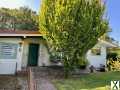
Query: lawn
x=95 y=81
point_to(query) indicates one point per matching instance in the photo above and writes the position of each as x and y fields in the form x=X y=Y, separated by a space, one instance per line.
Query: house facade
x=20 y=49
x=97 y=55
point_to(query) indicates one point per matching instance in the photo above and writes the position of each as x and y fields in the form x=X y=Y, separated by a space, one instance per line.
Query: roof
x=107 y=44
x=23 y=33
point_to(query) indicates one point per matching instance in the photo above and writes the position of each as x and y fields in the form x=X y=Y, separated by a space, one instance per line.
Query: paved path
x=44 y=75
x=44 y=84
x=43 y=79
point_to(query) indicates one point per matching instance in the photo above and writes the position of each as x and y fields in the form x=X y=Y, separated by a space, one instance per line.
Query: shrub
x=113 y=62
x=113 y=65
x=112 y=56
x=83 y=64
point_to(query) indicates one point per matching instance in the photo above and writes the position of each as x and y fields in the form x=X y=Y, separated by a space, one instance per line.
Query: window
x=96 y=51
x=8 y=50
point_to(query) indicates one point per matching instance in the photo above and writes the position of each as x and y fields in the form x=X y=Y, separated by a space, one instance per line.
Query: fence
x=31 y=80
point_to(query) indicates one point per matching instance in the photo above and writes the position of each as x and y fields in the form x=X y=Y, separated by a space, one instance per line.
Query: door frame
x=37 y=53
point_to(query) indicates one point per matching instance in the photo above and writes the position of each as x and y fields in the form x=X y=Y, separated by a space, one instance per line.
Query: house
x=97 y=55
x=21 y=49
x=26 y=48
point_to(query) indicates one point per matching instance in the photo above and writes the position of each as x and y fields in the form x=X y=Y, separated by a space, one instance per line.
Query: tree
x=72 y=27
x=18 y=19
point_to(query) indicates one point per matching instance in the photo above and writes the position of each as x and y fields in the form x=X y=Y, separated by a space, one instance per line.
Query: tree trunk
x=67 y=68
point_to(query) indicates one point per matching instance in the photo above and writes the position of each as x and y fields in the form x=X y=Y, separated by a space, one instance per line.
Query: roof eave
x=109 y=44
x=20 y=35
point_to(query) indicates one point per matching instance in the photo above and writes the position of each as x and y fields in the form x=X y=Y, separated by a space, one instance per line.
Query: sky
x=113 y=14
x=33 y=4
x=112 y=8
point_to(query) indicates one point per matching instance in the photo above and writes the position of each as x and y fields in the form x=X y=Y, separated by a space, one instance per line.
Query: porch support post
x=20 y=52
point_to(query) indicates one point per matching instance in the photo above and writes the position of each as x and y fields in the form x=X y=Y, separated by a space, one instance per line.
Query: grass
x=95 y=81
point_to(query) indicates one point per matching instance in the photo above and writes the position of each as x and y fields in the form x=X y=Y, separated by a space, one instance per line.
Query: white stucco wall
x=25 y=54
x=96 y=60
x=43 y=56
x=8 y=66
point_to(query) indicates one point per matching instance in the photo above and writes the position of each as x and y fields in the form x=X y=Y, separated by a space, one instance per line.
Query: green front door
x=33 y=54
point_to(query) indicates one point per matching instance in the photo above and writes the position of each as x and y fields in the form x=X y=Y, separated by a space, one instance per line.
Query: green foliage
x=56 y=57
x=94 y=81
x=112 y=56
x=113 y=65
x=113 y=62
x=72 y=27
x=19 y=19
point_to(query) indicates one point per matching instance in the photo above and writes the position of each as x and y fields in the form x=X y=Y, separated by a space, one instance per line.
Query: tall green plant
x=72 y=27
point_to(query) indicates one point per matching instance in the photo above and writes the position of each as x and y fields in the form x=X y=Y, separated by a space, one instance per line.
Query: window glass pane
x=8 y=50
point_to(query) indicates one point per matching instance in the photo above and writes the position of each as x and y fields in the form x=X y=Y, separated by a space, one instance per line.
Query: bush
x=113 y=65
x=113 y=62
x=83 y=64
x=112 y=56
